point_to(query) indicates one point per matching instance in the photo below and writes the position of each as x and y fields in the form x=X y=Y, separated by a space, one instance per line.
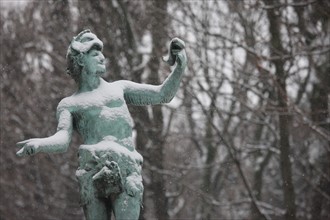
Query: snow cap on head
x=84 y=41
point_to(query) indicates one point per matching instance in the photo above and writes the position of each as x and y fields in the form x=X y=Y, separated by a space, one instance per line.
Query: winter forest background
x=247 y=136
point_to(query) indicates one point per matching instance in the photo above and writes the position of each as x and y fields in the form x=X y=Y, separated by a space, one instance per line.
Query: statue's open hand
x=29 y=147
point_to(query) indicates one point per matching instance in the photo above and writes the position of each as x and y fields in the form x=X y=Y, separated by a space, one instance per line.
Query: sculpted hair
x=73 y=56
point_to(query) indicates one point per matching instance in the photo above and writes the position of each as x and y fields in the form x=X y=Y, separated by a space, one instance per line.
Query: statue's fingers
x=31 y=151
x=20 y=153
x=176 y=51
x=178 y=43
x=22 y=143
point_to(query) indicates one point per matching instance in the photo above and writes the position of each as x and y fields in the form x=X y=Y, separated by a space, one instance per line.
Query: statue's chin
x=100 y=72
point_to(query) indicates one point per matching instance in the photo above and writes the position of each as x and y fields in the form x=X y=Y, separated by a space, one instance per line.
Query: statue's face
x=94 y=62
x=90 y=46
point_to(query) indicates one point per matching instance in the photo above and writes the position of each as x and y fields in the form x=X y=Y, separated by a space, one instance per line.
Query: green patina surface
x=109 y=172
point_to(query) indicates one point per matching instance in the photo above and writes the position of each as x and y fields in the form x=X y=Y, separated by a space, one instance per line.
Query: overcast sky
x=13 y=3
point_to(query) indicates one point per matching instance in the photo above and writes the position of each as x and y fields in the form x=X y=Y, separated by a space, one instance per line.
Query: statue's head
x=79 y=48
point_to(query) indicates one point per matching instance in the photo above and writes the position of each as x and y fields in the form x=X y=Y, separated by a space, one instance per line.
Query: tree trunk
x=320 y=113
x=284 y=118
x=158 y=10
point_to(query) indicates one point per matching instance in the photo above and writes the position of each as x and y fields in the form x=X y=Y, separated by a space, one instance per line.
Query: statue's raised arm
x=144 y=94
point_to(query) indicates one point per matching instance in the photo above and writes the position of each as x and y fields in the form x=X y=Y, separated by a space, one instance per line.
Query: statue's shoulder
x=66 y=103
x=115 y=87
x=115 y=84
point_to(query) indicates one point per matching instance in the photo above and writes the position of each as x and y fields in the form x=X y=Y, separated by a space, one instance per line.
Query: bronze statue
x=109 y=172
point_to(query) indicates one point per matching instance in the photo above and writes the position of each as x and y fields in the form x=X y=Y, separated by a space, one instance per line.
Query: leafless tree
x=247 y=136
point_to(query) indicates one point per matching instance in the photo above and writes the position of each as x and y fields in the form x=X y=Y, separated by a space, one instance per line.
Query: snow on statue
x=109 y=172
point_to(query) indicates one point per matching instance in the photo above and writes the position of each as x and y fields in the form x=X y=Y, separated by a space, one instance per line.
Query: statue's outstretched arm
x=57 y=143
x=144 y=94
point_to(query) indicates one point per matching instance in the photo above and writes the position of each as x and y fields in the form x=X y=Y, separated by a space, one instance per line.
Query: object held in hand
x=175 y=46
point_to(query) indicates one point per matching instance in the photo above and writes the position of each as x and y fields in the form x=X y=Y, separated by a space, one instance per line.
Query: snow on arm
x=60 y=141
x=145 y=94
x=141 y=94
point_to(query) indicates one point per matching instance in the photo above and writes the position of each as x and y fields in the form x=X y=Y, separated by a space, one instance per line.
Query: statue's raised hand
x=176 y=52
x=181 y=58
x=29 y=147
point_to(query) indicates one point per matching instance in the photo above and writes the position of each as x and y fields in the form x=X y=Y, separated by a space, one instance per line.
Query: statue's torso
x=100 y=114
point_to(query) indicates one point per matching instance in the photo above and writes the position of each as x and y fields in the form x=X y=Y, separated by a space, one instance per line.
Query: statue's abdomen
x=94 y=124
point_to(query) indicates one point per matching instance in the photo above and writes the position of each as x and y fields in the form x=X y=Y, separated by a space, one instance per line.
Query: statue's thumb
x=20 y=152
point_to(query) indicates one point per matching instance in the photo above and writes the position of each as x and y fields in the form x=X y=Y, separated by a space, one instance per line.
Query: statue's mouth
x=101 y=64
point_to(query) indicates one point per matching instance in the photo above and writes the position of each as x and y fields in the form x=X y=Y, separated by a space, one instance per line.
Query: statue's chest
x=100 y=102
x=99 y=99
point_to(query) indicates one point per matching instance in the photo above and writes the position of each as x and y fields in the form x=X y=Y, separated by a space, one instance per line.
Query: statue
x=109 y=172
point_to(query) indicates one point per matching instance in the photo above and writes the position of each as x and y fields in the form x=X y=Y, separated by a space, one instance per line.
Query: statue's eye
x=95 y=53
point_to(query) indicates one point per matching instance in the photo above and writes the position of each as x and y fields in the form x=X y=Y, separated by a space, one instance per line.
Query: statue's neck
x=88 y=83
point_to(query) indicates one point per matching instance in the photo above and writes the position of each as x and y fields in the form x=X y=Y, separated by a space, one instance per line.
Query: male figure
x=109 y=170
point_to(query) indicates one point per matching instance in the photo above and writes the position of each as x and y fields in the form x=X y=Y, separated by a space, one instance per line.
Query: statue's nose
x=102 y=60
